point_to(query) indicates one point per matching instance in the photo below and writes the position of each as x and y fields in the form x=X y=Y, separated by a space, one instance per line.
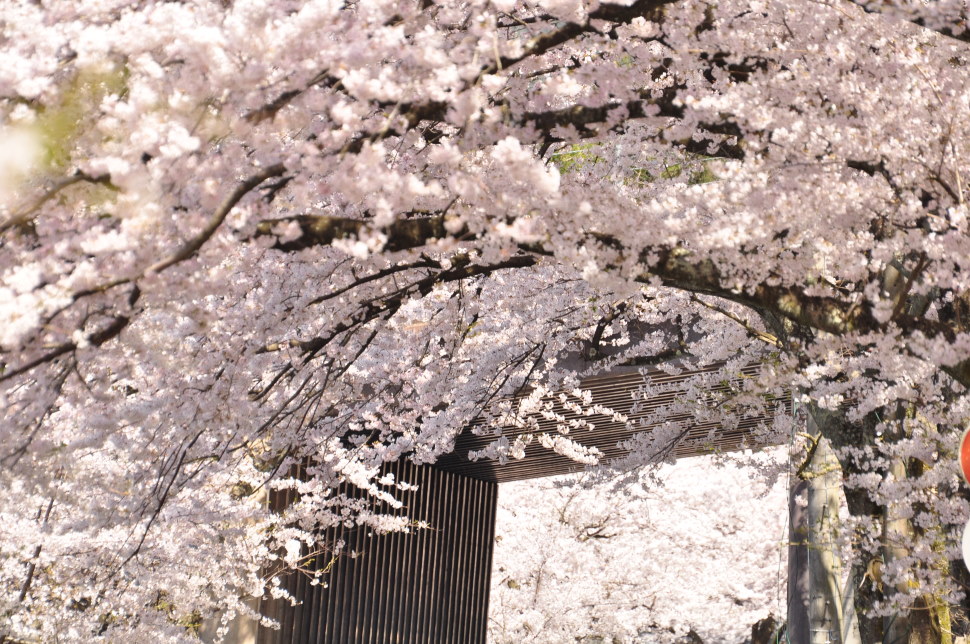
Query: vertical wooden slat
x=459 y=598
x=343 y=608
x=488 y=552
x=359 y=592
x=422 y=545
x=412 y=554
x=475 y=508
x=438 y=554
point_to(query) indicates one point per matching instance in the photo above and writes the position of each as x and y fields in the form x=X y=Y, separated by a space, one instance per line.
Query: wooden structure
x=431 y=585
x=617 y=390
x=427 y=586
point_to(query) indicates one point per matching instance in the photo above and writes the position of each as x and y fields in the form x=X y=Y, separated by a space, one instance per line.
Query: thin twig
x=904 y=294
x=32 y=566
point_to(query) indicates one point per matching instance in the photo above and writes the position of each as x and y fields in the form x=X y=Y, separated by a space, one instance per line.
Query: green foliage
x=575 y=157
x=642 y=175
x=704 y=175
x=698 y=172
x=625 y=61
x=191 y=621
x=580 y=155
x=60 y=124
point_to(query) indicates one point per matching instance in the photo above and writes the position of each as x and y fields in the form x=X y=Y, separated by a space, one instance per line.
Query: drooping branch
x=323 y=79
x=117 y=323
x=753 y=332
x=675 y=266
x=23 y=216
x=957 y=30
x=462 y=267
x=111 y=330
x=678 y=268
x=722 y=139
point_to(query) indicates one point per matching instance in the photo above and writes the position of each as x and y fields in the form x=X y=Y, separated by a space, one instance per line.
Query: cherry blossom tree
x=703 y=552
x=238 y=235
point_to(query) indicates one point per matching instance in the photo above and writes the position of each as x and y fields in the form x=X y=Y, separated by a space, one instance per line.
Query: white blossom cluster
x=706 y=552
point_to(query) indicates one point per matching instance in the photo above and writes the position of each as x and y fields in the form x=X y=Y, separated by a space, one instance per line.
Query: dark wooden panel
x=427 y=586
x=614 y=390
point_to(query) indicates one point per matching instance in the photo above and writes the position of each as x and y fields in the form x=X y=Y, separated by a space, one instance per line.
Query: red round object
x=965 y=456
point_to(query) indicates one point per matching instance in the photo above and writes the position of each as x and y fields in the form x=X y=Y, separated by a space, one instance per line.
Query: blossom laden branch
x=115 y=325
x=118 y=322
x=23 y=216
x=722 y=139
x=607 y=13
x=952 y=21
x=462 y=267
x=675 y=266
x=191 y=247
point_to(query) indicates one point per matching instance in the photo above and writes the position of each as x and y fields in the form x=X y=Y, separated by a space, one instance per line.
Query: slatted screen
x=615 y=390
x=428 y=586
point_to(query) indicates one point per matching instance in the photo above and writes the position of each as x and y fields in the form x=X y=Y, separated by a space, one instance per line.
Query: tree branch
x=752 y=331
x=32 y=565
x=613 y=13
x=191 y=247
x=115 y=325
x=886 y=8
x=322 y=230
x=676 y=267
x=462 y=268
x=664 y=105
x=24 y=216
